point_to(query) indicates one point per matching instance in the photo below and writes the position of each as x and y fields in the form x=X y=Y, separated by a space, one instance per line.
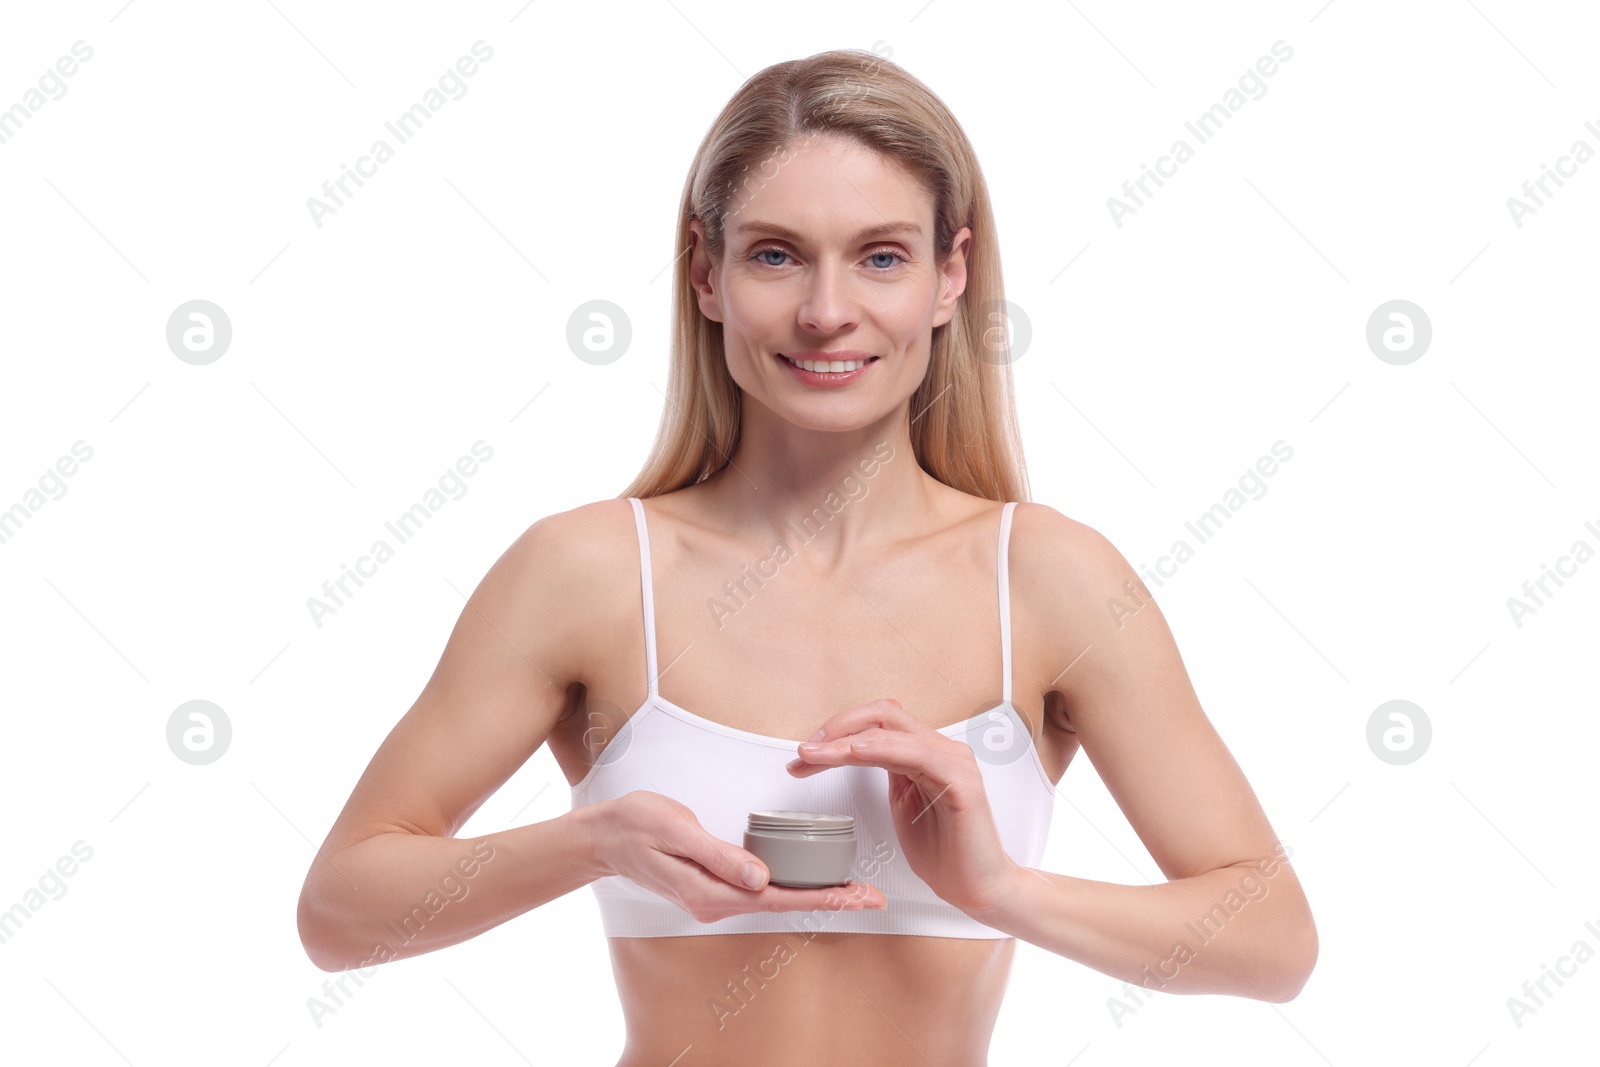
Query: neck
x=832 y=491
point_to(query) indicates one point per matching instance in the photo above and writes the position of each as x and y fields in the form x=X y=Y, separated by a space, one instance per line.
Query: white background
x=430 y=312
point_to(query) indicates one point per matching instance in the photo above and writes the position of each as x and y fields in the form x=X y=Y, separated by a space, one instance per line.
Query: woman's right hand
x=657 y=842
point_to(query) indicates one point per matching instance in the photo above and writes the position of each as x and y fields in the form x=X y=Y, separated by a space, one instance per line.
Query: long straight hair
x=964 y=428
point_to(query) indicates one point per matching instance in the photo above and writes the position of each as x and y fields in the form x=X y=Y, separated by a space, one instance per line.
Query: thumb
x=752 y=872
x=731 y=863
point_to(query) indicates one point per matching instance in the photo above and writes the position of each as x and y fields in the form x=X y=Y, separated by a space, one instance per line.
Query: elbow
x=322 y=959
x=1293 y=967
x=314 y=939
x=325 y=963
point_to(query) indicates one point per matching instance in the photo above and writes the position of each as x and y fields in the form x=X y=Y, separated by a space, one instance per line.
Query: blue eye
x=896 y=257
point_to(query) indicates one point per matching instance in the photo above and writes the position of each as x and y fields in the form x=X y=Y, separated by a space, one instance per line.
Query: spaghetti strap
x=646 y=583
x=1005 y=600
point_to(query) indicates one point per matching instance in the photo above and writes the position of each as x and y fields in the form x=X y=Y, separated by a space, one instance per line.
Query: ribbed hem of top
x=621 y=917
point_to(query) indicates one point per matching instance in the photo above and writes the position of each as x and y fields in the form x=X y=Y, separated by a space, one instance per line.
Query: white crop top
x=722 y=773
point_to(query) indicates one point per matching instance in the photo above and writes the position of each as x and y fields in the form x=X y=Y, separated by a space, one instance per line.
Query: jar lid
x=810 y=822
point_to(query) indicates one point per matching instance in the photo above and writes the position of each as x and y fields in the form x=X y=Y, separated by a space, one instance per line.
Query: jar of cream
x=803 y=849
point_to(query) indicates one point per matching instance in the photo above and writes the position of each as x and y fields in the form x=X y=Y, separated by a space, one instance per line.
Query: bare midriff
x=721 y=1000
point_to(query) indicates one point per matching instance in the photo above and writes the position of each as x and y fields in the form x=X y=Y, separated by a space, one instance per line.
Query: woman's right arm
x=392 y=880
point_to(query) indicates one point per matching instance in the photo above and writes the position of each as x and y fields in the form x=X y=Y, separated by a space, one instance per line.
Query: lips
x=827 y=378
x=823 y=359
x=828 y=354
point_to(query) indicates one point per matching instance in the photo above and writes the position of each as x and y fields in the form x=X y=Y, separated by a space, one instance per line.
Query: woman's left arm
x=1232 y=918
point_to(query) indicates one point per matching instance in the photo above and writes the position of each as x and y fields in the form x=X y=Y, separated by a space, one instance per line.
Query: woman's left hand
x=936 y=796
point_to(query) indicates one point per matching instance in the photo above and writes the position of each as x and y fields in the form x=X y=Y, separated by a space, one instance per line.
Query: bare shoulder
x=579 y=538
x=1049 y=550
x=570 y=569
x=1073 y=582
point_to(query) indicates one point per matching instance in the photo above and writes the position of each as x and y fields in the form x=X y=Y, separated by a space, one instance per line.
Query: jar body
x=803 y=850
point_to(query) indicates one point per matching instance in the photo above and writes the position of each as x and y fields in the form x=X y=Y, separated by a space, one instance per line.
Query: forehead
x=831 y=188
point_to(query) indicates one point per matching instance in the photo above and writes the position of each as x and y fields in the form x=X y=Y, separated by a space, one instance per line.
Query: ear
x=702 y=271
x=953 y=273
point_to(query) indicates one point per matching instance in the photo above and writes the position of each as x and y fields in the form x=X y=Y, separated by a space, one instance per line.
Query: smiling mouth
x=822 y=366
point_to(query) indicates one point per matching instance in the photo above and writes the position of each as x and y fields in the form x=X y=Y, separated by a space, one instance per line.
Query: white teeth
x=831 y=366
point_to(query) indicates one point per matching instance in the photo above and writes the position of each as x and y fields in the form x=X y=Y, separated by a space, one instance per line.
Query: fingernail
x=818 y=736
x=752 y=876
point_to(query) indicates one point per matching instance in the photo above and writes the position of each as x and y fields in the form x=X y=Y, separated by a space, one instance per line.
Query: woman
x=830 y=546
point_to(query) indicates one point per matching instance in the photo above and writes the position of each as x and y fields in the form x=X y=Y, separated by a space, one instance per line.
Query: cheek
x=906 y=315
x=754 y=312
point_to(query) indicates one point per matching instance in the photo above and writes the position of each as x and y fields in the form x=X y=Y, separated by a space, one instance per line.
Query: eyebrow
x=868 y=233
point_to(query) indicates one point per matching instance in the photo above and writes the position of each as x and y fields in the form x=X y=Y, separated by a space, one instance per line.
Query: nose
x=827 y=306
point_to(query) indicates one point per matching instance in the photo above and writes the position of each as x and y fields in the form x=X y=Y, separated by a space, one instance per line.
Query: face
x=801 y=277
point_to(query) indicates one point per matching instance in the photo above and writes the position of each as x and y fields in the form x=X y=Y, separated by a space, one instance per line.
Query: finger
x=816 y=756
x=885 y=712
x=852 y=896
x=732 y=864
x=862 y=740
x=897 y=752
x=729 y=862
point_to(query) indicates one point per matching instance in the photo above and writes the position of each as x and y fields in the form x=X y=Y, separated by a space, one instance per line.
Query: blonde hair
x=964 y=428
